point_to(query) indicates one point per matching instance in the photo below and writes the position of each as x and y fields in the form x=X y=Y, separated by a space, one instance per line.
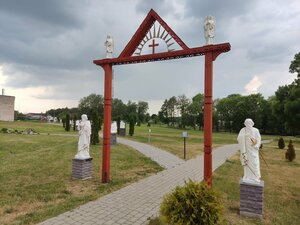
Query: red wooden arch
x=210 y=52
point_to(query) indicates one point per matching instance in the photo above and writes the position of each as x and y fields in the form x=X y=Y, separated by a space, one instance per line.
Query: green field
x=281 y=193
x=36 y=170
x=170 y=139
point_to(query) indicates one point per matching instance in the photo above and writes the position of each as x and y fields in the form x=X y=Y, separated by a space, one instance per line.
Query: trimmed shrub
x=194 y=204
x=95 y=128
x=67 y=128
x=290 y=153
x=281 y=143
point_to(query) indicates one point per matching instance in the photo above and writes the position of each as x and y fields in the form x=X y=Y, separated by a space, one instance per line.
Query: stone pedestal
x=113 y=138
x=82 y=168
x=251 y=199
x=122 y=132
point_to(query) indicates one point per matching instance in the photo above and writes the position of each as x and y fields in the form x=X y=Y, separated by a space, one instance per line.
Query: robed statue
x=84 y=138
x=109 y=43
x=209 y=29
x=249 y=140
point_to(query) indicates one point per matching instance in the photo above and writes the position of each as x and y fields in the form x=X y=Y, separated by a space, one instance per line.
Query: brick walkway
x=136 y=203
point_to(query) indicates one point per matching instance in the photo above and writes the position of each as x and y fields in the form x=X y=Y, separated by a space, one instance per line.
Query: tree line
x=279 y=114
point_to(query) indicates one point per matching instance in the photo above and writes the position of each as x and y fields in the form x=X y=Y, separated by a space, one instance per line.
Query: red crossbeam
x=218 y=48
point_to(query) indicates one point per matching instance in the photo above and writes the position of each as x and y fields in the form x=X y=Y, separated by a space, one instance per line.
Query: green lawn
x=281 y=193
x=36 y=170
x=170 y=139
x=39 y=127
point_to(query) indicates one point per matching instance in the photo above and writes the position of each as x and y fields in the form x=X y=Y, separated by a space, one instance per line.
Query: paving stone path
x=163 y=158
x=136 y=203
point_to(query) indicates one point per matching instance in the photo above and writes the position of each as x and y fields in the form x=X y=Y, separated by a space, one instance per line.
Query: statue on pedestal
x=109 y=43
x=249 y=140
x=84 y=138
x=209 y=29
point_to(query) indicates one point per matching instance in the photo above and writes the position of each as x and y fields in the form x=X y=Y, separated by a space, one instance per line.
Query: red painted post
x=107 y=122
x=208 y=118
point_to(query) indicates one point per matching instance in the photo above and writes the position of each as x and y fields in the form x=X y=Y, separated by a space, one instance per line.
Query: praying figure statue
x=209 y=29
x=249 y=141
x=109 y=43
x=84 y=138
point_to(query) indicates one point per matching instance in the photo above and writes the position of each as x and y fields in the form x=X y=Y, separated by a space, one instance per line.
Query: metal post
x=184 y=149
x=208 y=118
x=107 y=123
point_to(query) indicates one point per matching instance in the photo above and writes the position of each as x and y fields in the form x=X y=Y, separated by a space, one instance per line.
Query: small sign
x=184 y=134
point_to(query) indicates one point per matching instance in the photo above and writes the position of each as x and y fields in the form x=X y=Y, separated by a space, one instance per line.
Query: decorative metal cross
x=153 y=46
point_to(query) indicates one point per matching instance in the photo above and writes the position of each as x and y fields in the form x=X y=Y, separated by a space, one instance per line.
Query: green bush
x=281 y=143
x=290 y=153
x=194 y=203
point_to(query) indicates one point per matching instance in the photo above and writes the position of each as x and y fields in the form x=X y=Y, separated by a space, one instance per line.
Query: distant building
x=36 y=116
x=7 y=107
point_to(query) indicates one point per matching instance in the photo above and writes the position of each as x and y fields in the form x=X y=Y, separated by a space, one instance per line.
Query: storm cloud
x=49 y=46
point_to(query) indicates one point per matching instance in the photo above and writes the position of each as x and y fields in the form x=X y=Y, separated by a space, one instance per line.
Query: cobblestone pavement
x=136 y=203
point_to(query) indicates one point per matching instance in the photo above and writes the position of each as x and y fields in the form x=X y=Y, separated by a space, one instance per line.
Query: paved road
x=134 y=204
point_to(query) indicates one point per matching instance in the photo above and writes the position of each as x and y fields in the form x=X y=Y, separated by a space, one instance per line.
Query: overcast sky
x=47 y=48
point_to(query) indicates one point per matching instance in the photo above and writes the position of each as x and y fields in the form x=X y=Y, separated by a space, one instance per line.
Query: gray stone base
x=113 y=139
x=82 y=168
x=251 y=199
x=122 y=132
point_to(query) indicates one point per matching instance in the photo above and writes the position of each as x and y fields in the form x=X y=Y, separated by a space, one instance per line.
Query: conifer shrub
x=95 y=128
x=74 y=122
x=67 y=128
x=194 y=204
x=290 y=153
x=281 y=143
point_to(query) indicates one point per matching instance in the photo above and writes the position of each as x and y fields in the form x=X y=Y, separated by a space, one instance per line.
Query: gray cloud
x=52 y=44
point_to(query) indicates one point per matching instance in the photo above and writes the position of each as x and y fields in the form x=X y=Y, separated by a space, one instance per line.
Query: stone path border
x=136 y=203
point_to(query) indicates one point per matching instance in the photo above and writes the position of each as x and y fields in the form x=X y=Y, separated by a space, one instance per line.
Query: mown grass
x=170 y=139
x=38 y=126
x=281 y=193
x=36 y=170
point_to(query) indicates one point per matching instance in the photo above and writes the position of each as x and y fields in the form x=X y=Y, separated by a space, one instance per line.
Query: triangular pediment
x=153 y=27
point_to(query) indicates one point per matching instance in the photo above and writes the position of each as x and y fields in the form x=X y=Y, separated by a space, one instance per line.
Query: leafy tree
x=196 y=111
x=142 y=108
x=67 y=128
x=118 y=109
x=295 y=65
x=182 y=105
x=132 y=121
x=93 y=102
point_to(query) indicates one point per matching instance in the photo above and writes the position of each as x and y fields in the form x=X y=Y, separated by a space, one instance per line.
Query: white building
x=7 y=107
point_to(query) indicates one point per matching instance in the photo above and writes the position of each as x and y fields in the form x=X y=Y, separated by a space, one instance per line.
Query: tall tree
x=182 y=106
x=142 y=108
x=91 y=103
x=295 y=65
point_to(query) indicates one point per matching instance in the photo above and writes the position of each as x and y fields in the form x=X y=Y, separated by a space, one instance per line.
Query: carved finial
x=109 y=43
x=209 y=29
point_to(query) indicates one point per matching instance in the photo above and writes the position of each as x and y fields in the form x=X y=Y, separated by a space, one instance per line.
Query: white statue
x=84 y=138
x=113 y=127
x=209 y=29
x=122 y=125
x=249 y=140
x=109 y=43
